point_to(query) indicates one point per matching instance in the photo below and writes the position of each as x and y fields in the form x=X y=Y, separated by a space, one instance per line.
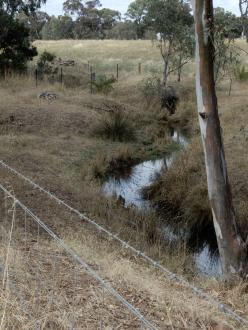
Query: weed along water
x=128 y=188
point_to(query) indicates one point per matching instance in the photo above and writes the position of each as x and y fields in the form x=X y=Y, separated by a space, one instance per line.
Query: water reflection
x=128 y=186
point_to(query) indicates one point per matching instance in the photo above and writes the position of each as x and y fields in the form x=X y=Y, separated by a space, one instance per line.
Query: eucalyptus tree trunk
x=243 y=7
x=230 y=243
x=166 y=55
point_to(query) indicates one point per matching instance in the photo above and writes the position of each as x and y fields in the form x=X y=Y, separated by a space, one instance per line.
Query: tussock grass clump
x=115 y=126
x=181 y=193
x=99 y=166
x=121 y=162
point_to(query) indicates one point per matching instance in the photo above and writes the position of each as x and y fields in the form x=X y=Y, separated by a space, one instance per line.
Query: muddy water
x=129 y=189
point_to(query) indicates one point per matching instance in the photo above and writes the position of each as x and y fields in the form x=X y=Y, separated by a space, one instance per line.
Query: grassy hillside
x=106 y=54
x=56 y=144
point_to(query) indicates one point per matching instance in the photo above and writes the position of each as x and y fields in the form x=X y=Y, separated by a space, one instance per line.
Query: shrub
x=245 y=133
x=103 y=166
x=151 y=88
x=99 y=166
x=103 y=84
x=122 y=162
x=45 y=64
x=169 y=99
x=241 y=73
x=15 y=46
x=115 y=126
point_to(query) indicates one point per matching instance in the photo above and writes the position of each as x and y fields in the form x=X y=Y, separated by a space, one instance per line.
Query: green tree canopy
x=34 y=22
x=56 y=28
x=91 y=21
x=227 y=23
x=12 y=7
x=137 y=12
x=173 y=22
x=15 y=48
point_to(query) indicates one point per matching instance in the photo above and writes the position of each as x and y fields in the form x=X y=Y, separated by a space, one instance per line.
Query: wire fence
x=71 y=74
x=56 y=288
x=156 y=264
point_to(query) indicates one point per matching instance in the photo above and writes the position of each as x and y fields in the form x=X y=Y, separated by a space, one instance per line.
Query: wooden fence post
x=91 y=80
x=117 y=72
x=36 y=77
x=61 y=76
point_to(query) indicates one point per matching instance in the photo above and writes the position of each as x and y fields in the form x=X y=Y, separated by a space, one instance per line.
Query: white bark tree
x=231 y=246
x=243 y=7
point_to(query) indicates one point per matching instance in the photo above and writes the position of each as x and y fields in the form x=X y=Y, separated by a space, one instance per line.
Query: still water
x=129 y=188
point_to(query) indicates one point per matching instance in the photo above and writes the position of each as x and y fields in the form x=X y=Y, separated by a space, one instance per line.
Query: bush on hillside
x=45 y=64
x=169 y=99
x=153 y=90
x=115 y=126
x=103 y=84
x=241 y=73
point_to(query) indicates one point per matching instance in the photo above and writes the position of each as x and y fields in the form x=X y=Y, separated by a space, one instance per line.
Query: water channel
x=129 y=186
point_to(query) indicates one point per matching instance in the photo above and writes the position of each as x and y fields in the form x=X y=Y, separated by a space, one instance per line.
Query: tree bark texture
x=230 y=243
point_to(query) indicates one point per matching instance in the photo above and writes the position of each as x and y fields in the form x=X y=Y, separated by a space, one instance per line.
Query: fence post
x=91 y=80
x=61 y=76
x=117 y=72
x=88 y=66
x=36 y=77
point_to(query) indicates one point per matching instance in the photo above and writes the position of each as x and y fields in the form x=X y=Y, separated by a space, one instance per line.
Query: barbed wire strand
x=80 y=261
x=156 y=264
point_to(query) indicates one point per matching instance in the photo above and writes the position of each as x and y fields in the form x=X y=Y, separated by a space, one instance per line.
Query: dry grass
x=45 y=288
x=105 y=55
x=52 y=144
x=183 y=189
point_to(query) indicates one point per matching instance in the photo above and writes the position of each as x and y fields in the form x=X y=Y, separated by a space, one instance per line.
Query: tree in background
x=243 y=6
x=229 y=23
x=73 y=7
x=227 y=28
x=15 y=47
x=91 y=21
x=137 y=12
x=172 y=21
x=109 y=19
x=231 y=246
x=12 y=7
x=34 y=22
x=184 y=51
x=122 y=31
x=61 y=27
